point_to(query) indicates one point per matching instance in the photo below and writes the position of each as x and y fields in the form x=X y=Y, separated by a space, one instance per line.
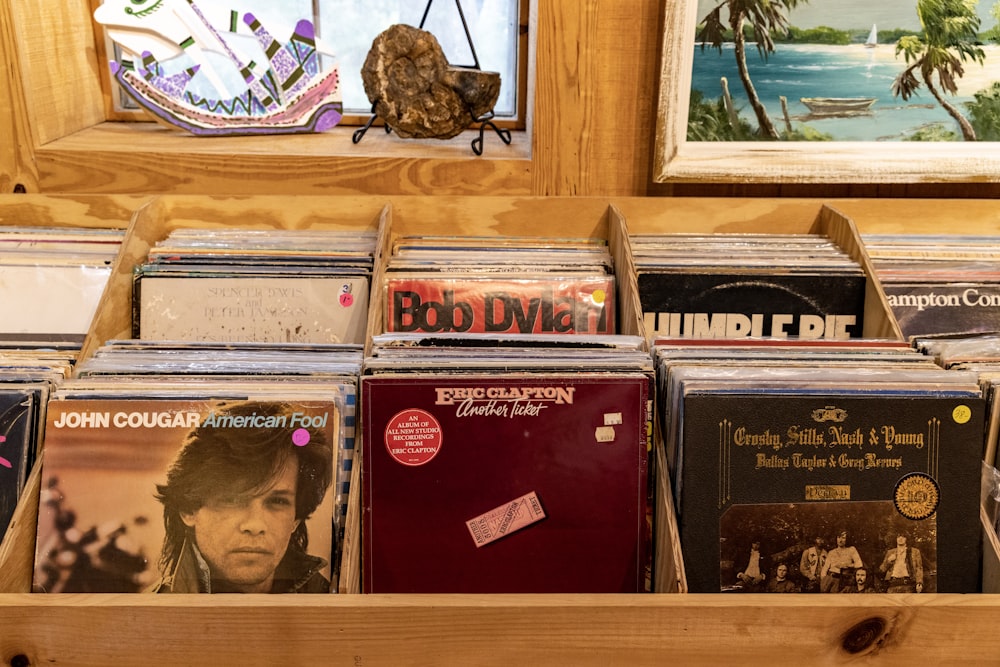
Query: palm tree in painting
x=950 y=31
x=763 y=17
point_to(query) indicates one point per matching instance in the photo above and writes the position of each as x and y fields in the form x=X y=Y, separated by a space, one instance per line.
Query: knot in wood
x=866 y=635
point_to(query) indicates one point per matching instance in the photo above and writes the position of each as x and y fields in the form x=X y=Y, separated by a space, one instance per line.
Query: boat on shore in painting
x=838 y=106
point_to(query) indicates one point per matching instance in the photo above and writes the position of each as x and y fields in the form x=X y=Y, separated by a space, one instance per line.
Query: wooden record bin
x=362 y=630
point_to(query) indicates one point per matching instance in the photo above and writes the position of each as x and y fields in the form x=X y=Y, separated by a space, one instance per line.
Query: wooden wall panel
x=595 y=96
x=563 y=125
x=15 y=143
x=55 y=54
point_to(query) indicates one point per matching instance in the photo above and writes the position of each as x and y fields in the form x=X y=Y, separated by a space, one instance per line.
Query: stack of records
x=939 y=284
x=225 y=285
x=979 y=354
x=505 y=426
x=243 y=449
x=27 y=378
x=513 y=463
x=848 y=467
x=500 y=285
x=51 y=280
x=748 y=285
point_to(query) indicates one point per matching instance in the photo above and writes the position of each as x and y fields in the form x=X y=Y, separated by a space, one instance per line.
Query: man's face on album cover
x=243 y=538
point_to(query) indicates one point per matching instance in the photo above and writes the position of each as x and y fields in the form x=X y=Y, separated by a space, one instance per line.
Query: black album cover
x=18 y=410
x=737 y=305
x=829 y=485
x=925 y=309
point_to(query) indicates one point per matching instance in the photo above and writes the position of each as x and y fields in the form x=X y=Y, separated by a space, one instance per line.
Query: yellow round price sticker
x=961 y=414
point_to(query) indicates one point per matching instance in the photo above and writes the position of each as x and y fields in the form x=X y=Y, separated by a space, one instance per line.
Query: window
x=498 y=31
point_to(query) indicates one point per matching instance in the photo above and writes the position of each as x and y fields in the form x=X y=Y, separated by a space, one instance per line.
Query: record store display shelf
x=359 y=630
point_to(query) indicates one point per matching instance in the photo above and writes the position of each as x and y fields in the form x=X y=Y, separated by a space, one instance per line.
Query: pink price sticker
x=509 y=517
x=413 y=437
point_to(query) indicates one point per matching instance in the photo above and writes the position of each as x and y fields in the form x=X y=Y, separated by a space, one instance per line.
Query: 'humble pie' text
x=739 y=325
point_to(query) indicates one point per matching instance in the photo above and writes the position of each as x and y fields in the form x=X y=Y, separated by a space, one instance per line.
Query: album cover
x=496 y=483
x=925 y=309
x=50 y=300
x=249 y=248
x=18 y=413
x=564 y=304
x=285 y=309
x=769 y=476
x=733 y=304
x=188 y=496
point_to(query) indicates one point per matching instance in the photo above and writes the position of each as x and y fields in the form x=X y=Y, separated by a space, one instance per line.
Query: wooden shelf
x=90 y=160
x=497 y=630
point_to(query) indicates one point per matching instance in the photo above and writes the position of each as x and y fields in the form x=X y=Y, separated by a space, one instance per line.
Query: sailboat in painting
x=872 y=40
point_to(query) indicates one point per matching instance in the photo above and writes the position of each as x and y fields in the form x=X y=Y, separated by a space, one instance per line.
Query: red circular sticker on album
x=413 y=437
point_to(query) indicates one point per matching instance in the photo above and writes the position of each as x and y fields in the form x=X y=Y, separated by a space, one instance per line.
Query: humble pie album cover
x=748 y=285
x=815 y=493
x=477 y=303
x=737 y=305
x=188 y=496
x=487 y=483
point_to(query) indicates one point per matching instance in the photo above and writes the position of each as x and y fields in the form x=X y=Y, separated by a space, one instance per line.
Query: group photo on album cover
x=826 y=547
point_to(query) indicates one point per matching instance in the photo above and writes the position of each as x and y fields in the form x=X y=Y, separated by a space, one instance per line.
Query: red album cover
x=431 y=303
x=501 y=484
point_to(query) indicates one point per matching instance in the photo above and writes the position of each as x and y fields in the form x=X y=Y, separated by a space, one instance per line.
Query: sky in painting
x=848 y=14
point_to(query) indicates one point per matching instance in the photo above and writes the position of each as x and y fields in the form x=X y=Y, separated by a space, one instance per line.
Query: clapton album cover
x=495 y=483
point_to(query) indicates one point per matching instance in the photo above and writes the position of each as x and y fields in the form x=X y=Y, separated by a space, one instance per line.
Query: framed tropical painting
x=891 y=91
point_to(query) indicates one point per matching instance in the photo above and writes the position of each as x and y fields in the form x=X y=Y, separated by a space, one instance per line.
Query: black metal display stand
x=486 y=120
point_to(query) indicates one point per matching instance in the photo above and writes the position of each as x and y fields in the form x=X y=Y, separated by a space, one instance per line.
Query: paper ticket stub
x=509 y=517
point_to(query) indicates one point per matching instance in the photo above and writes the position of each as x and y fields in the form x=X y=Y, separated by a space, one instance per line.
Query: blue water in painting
x=797 y=71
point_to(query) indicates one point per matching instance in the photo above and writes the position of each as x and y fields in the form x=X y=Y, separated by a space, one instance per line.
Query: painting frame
x=677 y=160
